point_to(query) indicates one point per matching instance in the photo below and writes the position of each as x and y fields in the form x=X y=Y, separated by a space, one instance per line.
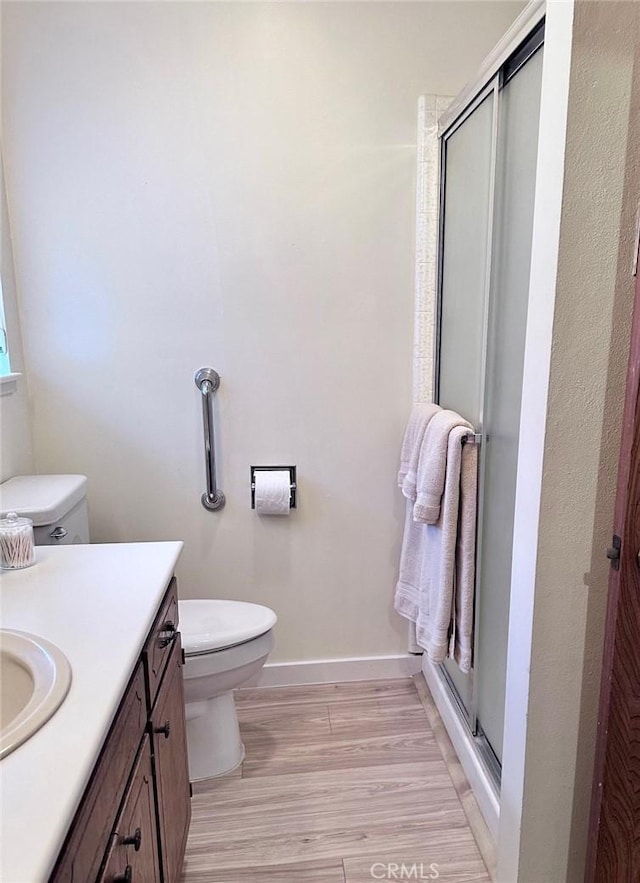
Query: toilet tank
x=57 y=505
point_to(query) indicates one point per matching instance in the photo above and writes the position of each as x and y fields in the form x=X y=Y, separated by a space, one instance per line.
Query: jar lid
x=13 y=522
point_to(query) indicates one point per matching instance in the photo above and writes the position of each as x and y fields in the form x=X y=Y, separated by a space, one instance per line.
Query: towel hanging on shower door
x=437 y=566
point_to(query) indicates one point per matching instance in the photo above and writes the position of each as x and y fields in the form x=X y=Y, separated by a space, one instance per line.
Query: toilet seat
x=210 y=625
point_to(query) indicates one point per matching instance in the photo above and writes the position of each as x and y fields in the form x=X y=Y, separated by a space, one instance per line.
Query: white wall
x=579 y=330
x=231 y=184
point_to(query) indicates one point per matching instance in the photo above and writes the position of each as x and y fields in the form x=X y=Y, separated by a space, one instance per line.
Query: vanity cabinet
x=133 y=820
x=133 y=853
x=172 y=773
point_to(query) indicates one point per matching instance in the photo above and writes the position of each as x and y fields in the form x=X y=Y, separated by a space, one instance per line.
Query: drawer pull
x=126 y=877
x=164 y=729
x=134 y=840
x=169 y=638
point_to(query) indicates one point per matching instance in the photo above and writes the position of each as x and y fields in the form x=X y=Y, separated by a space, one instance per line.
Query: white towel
x=419 y=420
x=407 y=597
x=437 y=567
x=432 y=465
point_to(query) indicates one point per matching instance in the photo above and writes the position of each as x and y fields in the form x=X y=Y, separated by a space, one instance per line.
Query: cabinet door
x=171 y=767
x=133 y=856
x=163 y=636
x=89 y=837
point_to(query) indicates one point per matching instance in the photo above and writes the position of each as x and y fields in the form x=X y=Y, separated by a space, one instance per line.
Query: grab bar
x=207 y=380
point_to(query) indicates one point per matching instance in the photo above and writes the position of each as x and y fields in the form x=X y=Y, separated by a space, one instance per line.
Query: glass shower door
x=508 y=302
x=488 y=181
x=467 y=162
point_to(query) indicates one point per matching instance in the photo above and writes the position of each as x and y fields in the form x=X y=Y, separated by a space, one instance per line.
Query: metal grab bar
x=207 y=380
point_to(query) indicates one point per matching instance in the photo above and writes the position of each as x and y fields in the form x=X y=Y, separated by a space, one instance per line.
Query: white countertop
x=97 y=604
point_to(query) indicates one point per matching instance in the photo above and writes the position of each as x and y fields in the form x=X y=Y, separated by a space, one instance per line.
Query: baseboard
x=331 y=671
x=481 y=783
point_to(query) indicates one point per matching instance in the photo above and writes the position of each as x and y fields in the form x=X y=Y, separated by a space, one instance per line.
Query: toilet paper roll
x=273 y=491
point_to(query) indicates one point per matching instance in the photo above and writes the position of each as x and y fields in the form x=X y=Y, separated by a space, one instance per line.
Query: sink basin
x=35 y=677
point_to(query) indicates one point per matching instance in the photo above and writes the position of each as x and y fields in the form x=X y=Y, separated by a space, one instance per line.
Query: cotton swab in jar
x=16 y=542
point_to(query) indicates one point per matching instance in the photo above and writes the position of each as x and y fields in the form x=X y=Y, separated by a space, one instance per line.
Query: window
x=5 y=366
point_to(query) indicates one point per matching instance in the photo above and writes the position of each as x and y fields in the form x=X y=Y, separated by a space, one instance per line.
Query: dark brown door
x=134 y=851
x=172 y=773
x=614 y=840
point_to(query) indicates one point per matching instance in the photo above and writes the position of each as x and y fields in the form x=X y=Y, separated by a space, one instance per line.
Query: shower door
x=488 y=162
x=466 y=209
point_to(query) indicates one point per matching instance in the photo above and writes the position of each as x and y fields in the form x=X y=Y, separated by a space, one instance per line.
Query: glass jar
x=16 y=542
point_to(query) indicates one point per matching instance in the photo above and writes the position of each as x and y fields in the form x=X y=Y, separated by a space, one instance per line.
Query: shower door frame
x=522 y=36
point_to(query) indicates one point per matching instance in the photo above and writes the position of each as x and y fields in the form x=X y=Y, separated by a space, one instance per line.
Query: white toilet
x=57 y=505
x=225 y=644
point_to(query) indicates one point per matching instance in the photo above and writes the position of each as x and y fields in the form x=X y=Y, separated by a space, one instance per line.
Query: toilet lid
x=214 y=624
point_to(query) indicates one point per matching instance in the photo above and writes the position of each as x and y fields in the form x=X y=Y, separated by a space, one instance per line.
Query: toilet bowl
x=225 y=644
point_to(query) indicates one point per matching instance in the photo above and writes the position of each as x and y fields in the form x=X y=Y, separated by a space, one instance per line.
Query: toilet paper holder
x=292 y=482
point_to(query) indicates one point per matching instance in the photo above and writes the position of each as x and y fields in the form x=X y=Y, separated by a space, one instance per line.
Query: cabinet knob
x=134 y=840
x=169 y=634
x=126 y=877
x=164 y=729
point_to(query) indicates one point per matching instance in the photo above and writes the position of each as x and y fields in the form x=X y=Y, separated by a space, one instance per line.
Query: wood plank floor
x=341 y=783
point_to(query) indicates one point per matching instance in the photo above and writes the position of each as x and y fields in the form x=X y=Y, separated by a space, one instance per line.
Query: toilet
x=225 y=642
x=57 y=505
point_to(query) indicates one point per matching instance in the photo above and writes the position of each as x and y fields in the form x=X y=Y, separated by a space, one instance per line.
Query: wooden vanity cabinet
x=133 y=854
x=158 y=646
x=133 y=820
x=171 y=767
